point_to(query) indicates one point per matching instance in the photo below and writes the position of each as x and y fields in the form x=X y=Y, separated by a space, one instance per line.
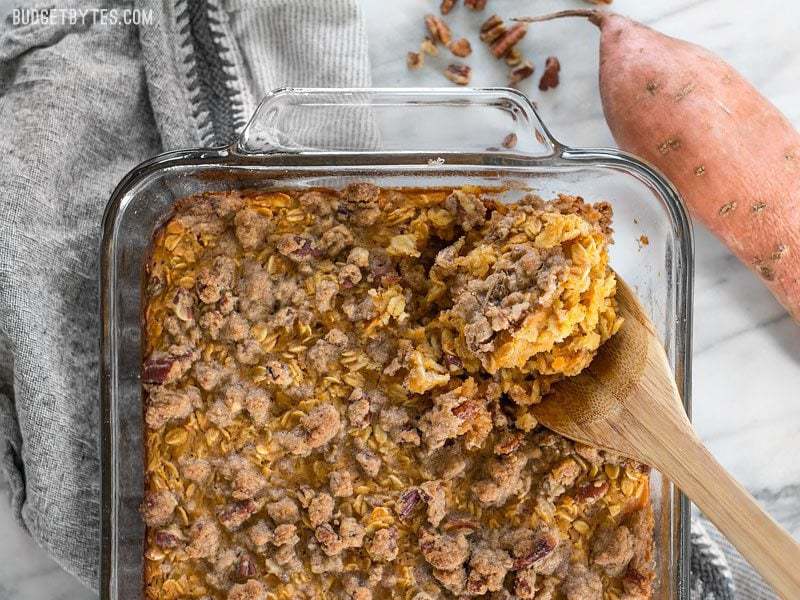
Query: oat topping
x=338 y=388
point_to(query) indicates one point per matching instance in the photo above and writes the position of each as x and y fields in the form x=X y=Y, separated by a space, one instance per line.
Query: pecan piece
x=298 y=248
x=407 y=503
x=458 y=74
x=550 y=76
x=460 y=48
x=233 y=515
x=543 y=545
x=508 y=40
x=518 y=73
x=514 y=57
x=414 y=60
x=166 y=539
x=491 y=23
x=328 y=539
x=453 y=362
x=156 y=370
x=492 y=29
x=447 y=6
x=428 y=47
x=380 y=264
x=438 y=29
x=591 y=491
x=456 y=524
x=247 y=568
x=475 y=4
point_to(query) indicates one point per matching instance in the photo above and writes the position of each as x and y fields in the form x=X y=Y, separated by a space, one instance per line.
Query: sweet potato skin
x=733 y=156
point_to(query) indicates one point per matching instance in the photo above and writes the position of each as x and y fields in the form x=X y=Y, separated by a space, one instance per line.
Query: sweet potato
x=732 y=155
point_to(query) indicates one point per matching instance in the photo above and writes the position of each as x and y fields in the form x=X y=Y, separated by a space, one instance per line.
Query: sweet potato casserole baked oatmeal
x=338 y=389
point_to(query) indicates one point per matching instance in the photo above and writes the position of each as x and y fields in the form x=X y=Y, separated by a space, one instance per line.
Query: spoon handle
x=768 y=547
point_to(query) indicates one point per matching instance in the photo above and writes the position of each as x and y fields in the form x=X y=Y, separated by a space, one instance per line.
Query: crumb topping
x=338 y=390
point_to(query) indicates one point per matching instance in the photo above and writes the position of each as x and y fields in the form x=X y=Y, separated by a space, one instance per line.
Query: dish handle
x=396 y=120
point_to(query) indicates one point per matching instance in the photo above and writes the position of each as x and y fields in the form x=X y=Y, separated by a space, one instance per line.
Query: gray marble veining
x=746 y=350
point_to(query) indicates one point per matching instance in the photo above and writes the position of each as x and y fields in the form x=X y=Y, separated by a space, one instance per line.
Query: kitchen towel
x=84 y=97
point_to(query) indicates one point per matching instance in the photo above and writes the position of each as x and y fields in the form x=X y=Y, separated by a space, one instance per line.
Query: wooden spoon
x=626 y=401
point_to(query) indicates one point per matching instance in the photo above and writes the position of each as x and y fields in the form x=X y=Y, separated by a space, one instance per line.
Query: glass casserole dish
x=303 y=138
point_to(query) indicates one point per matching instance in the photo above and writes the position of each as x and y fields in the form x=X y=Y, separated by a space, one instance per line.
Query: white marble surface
x=746 y=350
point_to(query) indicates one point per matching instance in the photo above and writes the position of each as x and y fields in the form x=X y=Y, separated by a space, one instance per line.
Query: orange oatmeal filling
x=338 y=386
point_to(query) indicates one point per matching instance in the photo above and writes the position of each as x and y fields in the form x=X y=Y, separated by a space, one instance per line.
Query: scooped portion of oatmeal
x=338 y=388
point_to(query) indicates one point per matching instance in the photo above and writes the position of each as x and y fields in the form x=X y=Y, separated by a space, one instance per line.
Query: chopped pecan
x=166 y=539
x=428 y=47
x=475 y=4
x=458 y=524
x=502 y=45
x=520 y=72
x=591 y=491
x=514 y=57
x=247 y=568
x=492 y=29
x=414 y=60
x=550 y=76
x=543 y=545
x=460 y=48
x=233 y=515
x=298 y=248
x=447 y=6
x=328 y=539
x=458 y=74
x=438 y=29
x=163 y=367
x=407 y=502
x=156 y=370
x=453 y=362
x=380 y=264
x=490 y=23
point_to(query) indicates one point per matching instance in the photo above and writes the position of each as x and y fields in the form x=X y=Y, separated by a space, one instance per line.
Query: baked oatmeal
x=338 y=390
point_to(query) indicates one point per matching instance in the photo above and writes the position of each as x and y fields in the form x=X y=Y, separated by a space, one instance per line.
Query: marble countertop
x=746 y=348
